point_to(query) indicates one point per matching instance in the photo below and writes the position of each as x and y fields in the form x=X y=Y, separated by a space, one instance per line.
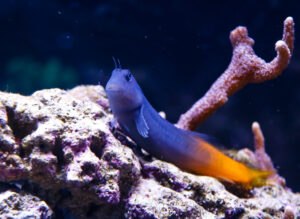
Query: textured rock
x=269 y=200
x=64 y=143
x=151 y=200
x=22 y=205
x=61 y=144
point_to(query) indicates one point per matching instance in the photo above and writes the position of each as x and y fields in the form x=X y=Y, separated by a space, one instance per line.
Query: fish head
x=123 y=92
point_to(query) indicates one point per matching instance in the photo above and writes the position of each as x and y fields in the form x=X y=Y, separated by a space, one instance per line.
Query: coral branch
x=245 y=67
x=263 y=160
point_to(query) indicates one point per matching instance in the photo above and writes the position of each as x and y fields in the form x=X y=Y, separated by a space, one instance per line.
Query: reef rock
x=22 y=205
x=61 y=147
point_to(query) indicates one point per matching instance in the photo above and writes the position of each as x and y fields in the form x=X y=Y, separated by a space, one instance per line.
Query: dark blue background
x=176 y=50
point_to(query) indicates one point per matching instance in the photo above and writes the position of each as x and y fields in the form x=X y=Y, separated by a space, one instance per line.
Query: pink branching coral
x=261 y=158
x=245 y=67
x=263 y=161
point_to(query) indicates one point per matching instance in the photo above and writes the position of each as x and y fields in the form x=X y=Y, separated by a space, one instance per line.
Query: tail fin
x=260 y=177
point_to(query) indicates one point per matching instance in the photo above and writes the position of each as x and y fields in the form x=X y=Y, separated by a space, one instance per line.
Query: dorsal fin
x=210 y=139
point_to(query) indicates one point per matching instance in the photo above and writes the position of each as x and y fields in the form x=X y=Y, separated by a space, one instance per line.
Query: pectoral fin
x=141 y=123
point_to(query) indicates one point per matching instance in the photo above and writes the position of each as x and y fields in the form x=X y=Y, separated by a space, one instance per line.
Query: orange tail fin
x=259 y=177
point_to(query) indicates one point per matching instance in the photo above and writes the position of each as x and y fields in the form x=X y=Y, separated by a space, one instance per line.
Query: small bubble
x=146 y=37
x=59 y=12
x=65 y=40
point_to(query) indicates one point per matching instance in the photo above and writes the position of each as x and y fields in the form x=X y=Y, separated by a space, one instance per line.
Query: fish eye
x=128 y=76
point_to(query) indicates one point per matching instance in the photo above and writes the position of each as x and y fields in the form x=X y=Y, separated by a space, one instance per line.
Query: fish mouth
x=113 y=88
